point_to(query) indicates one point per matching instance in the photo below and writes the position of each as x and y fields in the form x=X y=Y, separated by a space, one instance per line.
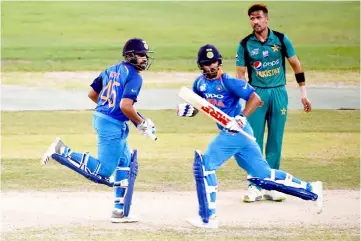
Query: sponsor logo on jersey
x=257 y=65
x=202 y=87
x=272 y=63
x=212 y=96
x=254 y=52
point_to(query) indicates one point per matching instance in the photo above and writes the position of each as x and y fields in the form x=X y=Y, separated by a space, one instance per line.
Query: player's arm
x=253 y=102
x=130 y=94
x=144 y=126
x=240 y=63
x=299 y=74
x=127 y=107
x=93 y=95
x=238 y=122
x=243 y=90
x=96 y=88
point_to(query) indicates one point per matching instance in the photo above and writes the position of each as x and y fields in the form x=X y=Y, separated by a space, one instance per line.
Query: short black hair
x=257 y=7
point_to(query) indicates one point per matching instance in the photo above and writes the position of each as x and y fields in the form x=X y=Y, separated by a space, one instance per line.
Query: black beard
x=142 y=65
x=211 y=74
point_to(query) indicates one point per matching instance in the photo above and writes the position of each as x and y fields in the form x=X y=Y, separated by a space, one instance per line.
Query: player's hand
x=306 y=104
x=147 y=129
x=236 y=124
x=186 y=110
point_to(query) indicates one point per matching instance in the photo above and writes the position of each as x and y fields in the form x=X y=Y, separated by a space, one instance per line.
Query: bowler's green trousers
x=274 y=113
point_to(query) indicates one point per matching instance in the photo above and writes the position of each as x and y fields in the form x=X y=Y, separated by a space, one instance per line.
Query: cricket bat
x=208 y=109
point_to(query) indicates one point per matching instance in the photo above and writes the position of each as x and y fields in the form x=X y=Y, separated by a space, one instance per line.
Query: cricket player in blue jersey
x=114 y=91
x=224 y=92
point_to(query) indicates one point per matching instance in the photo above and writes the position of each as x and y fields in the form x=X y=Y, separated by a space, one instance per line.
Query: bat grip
x=251 y=138
x=153 y=137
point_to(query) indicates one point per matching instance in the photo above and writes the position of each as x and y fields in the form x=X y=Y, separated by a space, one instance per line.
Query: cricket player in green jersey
x=262 y=54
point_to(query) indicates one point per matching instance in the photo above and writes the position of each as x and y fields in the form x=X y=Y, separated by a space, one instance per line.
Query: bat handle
x=153 y=137
x=251 y=138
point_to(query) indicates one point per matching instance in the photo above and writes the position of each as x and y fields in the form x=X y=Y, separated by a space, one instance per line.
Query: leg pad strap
x=82 y=171
x=133 y=172
x=294 y=191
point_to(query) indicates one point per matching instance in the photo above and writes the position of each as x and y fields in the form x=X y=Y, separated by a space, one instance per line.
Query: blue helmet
x=136 y=46
x=208 y=54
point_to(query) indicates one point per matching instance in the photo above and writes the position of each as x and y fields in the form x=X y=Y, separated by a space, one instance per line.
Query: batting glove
x=147 y=128
x=236 y=124
x=186 y=110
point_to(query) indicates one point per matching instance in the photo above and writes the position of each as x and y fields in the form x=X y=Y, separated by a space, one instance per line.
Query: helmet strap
x=132 y=59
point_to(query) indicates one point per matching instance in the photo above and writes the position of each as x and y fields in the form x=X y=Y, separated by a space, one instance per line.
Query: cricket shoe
x=198 y=222
x=55 y=147
x=317 y=188
x=118 y=217
x=252 y=194
x=274 y=196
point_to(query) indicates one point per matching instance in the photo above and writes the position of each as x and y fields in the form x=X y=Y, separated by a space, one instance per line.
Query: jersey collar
x=219 y=75
x=270 y=36
x=128 y=65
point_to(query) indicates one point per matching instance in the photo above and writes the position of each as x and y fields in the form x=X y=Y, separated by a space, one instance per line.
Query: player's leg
x=206 y=187
x=251 y=160
x=219 y=150
x=124 y=180
x=113 y=150
x=284 y=182
x=82 y=163
x=97 y=170
x=276 y=121
x=257 y=121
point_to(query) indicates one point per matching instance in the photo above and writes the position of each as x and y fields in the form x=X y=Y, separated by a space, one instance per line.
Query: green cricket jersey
x=265 y=61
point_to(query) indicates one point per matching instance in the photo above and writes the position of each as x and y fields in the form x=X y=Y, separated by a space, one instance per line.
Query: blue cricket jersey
x=116 y=82
x=224 y=92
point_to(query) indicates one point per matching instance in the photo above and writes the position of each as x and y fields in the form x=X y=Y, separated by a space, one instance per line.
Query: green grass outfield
x=88 y=36
x=111 y=233
x=322 y=145
x=73 y=36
